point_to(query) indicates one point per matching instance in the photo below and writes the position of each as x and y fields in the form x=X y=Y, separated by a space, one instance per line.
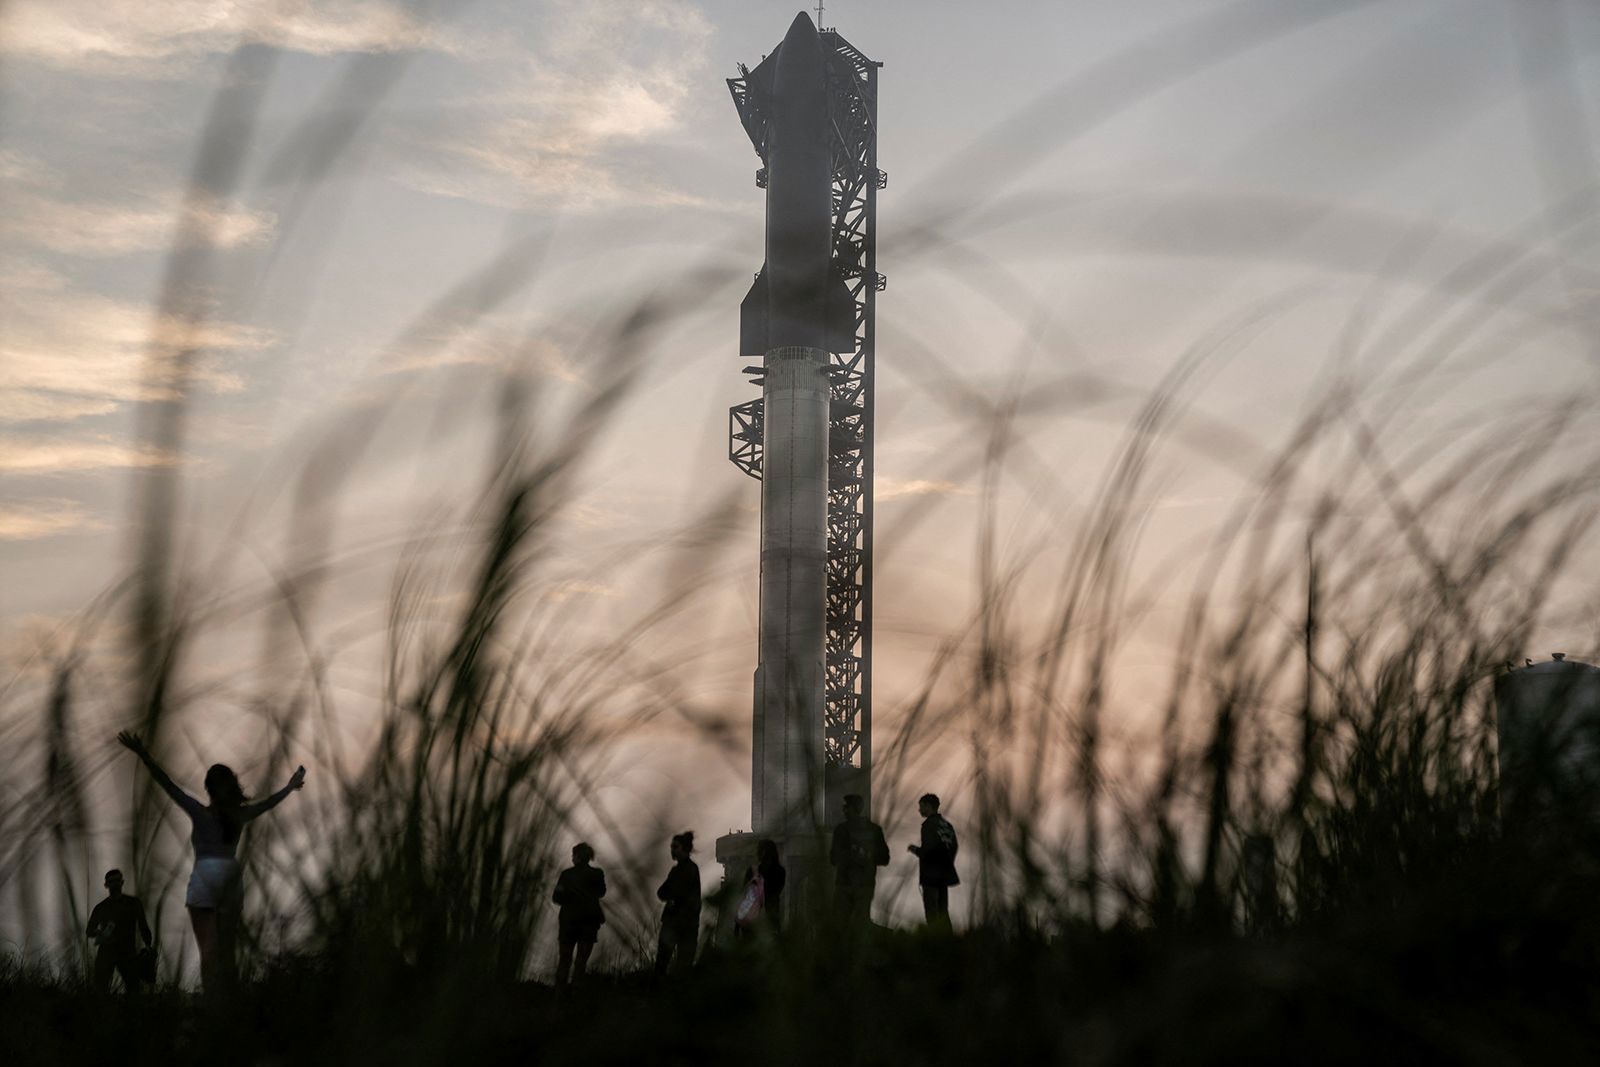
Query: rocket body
x=788 y=787
x=793 y=317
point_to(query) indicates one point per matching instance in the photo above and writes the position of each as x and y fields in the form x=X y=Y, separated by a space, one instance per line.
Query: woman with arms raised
x=214 y=896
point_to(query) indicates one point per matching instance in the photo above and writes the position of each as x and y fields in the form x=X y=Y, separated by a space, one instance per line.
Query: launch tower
x=810 y=109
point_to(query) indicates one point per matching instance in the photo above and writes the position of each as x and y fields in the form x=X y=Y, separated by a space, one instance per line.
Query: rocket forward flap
x=753 y=318
x=754 y=321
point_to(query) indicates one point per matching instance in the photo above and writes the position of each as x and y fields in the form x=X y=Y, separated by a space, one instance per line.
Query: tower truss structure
x=853 y=113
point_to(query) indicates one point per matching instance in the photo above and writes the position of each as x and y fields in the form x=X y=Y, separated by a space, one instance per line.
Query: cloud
x=103 y=229
x=138 y=36
x=66 y=354
x=36 y=519
x=578 y=588
x=887 y=488
x=42 y=455
x=38 y=216
x=608 y=76
x=490 y=345
x=27 y=405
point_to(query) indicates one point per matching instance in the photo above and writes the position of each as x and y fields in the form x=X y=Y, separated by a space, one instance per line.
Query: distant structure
x=810 y=109
x=1547 y=722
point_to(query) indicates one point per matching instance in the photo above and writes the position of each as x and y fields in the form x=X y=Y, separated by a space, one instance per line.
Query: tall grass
x=1295 y=851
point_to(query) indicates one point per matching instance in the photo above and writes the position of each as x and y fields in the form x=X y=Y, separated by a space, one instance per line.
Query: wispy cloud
x=29 y=405
x=32 y=520
x=39 y=216
x=605 y=77
x=100 y=229
x=67 y=354
x=43 y=455
x=490 y=345
x=137 y=36
x=577 y=588
x=888 y=488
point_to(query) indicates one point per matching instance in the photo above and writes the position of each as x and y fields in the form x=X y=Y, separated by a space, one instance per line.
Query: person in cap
x=114 y=925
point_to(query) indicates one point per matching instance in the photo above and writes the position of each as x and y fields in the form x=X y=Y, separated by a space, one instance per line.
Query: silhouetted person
x=680 y=915
x=773 y=878
x=769 y=872
x=578 y=893
x=214 y=896
x=857 y=852
x=936 y=862
x=112 y=926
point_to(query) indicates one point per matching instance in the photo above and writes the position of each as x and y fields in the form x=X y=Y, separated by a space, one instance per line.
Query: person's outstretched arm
x=261 y=807
x=144 y=927
x=131 y=742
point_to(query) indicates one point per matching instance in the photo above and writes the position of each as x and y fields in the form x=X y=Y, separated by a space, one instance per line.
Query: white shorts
x=214 y=883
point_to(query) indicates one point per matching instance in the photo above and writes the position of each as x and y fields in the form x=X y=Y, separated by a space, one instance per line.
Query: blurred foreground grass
x=1303 y=861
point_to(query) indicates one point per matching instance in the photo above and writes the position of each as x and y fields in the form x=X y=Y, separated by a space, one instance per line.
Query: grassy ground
x=1482 y=967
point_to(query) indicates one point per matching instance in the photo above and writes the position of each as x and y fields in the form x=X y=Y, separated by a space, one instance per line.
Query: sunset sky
x=1079 y=193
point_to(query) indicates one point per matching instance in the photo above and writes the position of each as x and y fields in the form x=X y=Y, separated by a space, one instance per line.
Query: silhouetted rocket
x=798 y=298
x=797 y=313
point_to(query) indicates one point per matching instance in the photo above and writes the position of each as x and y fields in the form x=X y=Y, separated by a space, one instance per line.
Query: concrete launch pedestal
x=808 y=892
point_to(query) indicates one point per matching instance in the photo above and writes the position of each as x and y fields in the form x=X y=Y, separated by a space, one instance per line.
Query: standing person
x=763 y=887
x=214 y=897
x=112 y=925
x=773 y=876
x=578 y=893
x=857 y=852
x=936 y=862
x=680 y=915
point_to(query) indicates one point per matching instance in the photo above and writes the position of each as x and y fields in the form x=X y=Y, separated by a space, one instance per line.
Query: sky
x=431 y=195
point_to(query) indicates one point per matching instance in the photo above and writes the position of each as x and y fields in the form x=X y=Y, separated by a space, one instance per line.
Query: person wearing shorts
x=214 y=896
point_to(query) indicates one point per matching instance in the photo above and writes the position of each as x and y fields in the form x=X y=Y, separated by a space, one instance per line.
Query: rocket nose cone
x=801 y=50
x=800 y=60
x=802 y=27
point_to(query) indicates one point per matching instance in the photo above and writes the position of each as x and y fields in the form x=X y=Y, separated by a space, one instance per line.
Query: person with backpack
x=761 y=904
x=113 y=924
x=936 y=862
x=578 y=892
x=773 y=876
x=858 y=850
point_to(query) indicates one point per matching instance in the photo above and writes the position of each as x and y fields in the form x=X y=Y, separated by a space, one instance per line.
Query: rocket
x=797 y=312
x=798 y=298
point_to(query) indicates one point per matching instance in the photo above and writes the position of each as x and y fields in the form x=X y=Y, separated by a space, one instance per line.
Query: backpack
x=751 y=902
